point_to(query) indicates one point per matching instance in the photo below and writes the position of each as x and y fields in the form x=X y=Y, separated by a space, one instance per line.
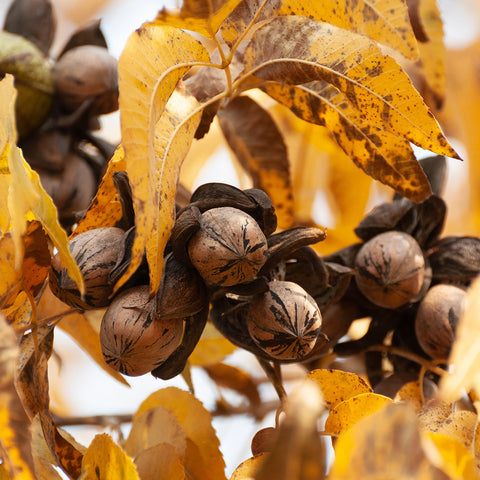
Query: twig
x=222 y=410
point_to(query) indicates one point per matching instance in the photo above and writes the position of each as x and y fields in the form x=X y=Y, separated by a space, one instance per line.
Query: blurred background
x=80 y=388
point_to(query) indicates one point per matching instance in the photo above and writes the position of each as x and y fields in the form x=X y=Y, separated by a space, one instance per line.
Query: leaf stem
x=428 y=365
x=273 y=374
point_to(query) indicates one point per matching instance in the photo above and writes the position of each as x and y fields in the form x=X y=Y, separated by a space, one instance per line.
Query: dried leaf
x=36 y=258
x=298 y=452
x=105 y=209
x=15 y=437
x=379 y=153
x=106 y=460
x=160 y=462
x=338 y=386
x=387 y=441
x=258 y=145
x=11 y=278
x=27 y=200
x=155 y=426
x=465 y=354
x=195 y=421
x=204 y=17
x=347 y=413
x=153 y=61
x=363 y=75
x=384 y=21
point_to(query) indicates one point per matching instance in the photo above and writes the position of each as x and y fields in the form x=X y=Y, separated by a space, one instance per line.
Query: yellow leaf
x=347 y=413
x=459 y=426
x=107 y=461
x=455 y=459
x=155 y=426
x=15 y=440
x=160 y=462
x=105 y=209
x=410 y=392
x=338 y=386
x=27 y=200
x=381 y=154
x=364 y=75
x=259 y=147
x=247 y=469
x=432 y=52
x=212 y=347
x=204 y=17
x=383 y=20
x=465 y=354
x=11 y=278
x=153 y=61
x=385 y=445
x=195 y=421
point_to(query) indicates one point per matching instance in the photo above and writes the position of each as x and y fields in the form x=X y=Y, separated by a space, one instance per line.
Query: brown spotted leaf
x=386 y=441
x=25 y=198
x=338 y=386
x=355 y=66
x=36 y=258
x=153 y=61
x=385 y=21
x=15 y=437
x=204 y=16
x=104 y=459
x=105 y=209
x=258 y=145
x=379 y=153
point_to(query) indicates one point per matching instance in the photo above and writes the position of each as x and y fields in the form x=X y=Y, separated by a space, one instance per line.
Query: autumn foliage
x=309 y=97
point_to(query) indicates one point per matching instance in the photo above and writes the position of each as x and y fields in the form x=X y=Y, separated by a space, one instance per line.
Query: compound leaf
x=385 y=21
x=204 y=17
x=311 y=51
x=152 y=63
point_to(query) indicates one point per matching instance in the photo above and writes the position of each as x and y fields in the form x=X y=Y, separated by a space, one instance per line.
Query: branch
x=221 y=410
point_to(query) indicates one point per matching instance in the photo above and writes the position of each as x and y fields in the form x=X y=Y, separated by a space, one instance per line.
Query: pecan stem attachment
x=274 y=375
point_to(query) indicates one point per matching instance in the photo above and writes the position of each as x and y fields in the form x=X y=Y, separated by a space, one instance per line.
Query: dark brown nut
x=134 y=339
x=263 y=440
x=86 y=73
x=33 y=80
x=71 y=190
x=229 y=248
x=437 y=318
x=285 y=321
x=96 y=252
x=390 y=269
x=182 y=292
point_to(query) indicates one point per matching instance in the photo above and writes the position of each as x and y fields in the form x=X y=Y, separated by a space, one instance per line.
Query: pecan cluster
x=409 y=279
x=59 y=101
